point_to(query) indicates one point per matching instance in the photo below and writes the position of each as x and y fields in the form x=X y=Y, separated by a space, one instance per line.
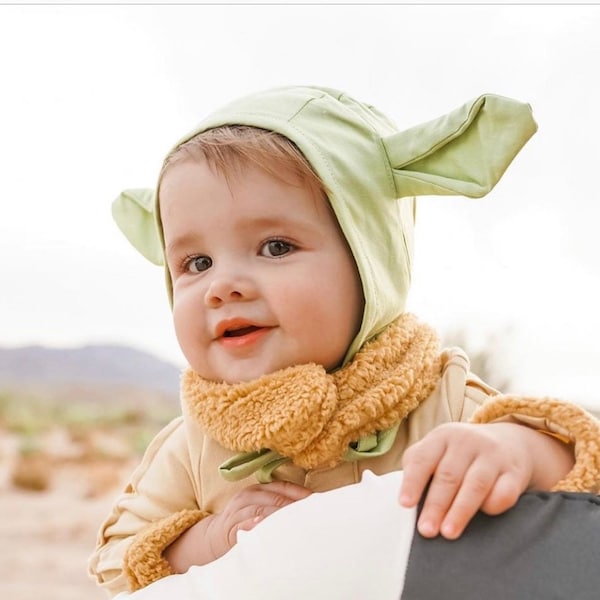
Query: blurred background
x=95 y=95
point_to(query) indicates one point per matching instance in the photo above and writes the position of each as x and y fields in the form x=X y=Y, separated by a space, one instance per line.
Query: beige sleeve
x=569 y=421
x=457 y=395
x=144 y=561
x=159 y=502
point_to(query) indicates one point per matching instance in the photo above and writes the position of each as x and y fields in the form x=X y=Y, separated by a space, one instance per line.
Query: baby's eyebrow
x=274 y=222
x=183 y=241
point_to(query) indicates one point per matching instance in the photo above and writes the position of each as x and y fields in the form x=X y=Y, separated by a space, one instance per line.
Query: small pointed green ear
x=133 y=211
x=462 y=153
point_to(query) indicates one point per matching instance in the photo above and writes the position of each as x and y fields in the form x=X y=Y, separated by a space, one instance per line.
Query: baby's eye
x=197 y=264
x=274 y=248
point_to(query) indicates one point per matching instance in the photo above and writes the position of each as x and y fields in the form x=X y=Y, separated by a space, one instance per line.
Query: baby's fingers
x=505 y=493
x=419 y=464
x=248 y=525
x=452 y=497
x=483 y=488
x=285 y=489
x=470 y=494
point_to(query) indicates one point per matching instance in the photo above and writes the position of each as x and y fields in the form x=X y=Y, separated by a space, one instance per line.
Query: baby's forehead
x=230 y=149
x=273 y=194
x=270 y=166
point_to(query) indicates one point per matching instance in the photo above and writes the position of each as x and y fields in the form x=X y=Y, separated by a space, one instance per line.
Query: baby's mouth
x=242 y=336
x=241 y=331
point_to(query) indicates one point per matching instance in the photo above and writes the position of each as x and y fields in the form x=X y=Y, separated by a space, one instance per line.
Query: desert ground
x=47 y=533
x=46 y=538
x=65 y=454
x=52 y=501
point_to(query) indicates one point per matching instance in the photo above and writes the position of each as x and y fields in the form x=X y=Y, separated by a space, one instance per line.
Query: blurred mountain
x=87 y=367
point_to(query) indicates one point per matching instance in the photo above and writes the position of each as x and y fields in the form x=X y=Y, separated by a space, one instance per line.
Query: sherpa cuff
x=144 y=562
x=557 y=417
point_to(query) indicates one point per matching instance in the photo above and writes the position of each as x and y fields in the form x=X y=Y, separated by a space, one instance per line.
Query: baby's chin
x=239 y=373
x=244 y=373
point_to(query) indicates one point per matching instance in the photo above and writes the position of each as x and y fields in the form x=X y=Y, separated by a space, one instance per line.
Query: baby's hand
x=471 y=467
x=214 y=535
x=246 y=509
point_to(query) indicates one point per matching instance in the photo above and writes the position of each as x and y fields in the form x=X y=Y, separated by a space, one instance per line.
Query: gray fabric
x=547 y=546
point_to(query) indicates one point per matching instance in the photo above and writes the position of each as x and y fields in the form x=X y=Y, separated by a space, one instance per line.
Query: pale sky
x=94 y=96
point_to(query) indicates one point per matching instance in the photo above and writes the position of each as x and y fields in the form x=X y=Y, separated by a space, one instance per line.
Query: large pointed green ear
x=133 y=211
x=462 y=153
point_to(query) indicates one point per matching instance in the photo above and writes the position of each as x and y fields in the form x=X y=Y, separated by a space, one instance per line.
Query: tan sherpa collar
x=311 y=416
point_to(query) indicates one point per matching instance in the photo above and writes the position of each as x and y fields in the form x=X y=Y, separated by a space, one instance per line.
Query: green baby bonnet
x=372 y=172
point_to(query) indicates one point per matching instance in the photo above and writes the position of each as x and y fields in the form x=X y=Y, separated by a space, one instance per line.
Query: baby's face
x=262 y=276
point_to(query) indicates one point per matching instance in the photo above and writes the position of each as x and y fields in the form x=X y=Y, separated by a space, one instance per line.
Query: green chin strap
x=263 y=462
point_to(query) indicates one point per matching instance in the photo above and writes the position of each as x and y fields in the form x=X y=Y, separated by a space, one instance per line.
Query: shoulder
x=461 y=381
x=166 y=454
x=458 y=393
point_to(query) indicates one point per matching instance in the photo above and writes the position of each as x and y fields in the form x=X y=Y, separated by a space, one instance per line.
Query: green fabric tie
x=263 y=462
x=371 y=446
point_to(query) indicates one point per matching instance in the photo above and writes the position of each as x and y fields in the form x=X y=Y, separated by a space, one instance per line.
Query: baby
x=285 y=224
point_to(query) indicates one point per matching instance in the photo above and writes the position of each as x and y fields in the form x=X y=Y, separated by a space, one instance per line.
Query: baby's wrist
x=553 y=458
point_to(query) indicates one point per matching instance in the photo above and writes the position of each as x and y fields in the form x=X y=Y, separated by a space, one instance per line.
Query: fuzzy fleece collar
x=311 y=416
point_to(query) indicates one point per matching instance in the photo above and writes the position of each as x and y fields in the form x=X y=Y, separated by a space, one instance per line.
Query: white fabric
x=350 y=543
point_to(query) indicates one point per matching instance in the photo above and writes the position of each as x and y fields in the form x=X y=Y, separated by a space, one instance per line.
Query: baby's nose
x=228 y=288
